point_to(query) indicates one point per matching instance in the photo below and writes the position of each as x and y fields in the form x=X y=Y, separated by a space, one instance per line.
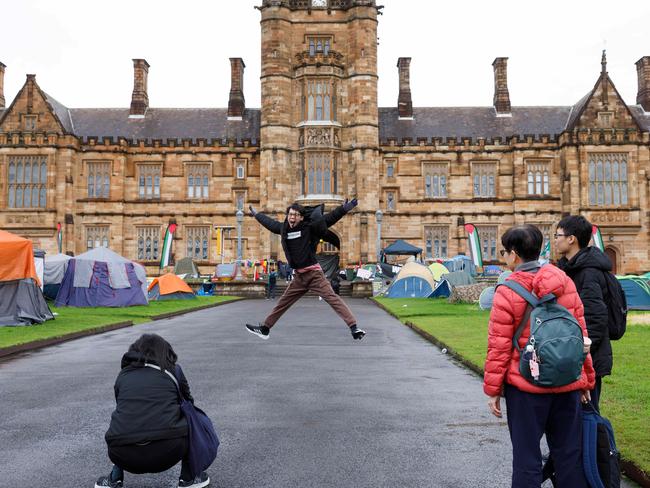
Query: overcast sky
x=81 y=50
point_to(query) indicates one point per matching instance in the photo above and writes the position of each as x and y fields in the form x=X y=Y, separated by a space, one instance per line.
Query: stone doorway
x=612 y=255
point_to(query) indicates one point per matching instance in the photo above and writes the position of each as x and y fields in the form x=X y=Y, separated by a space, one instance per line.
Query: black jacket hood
x=589 y=257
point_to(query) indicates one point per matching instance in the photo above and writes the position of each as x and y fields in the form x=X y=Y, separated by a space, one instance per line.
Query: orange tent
x=169 y=286
x=16 y=258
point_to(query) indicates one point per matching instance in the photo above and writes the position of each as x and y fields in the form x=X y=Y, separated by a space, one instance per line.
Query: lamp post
x=240 y=220
x=379 y=216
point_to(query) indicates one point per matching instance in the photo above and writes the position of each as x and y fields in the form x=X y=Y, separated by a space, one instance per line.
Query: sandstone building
x=117 y=177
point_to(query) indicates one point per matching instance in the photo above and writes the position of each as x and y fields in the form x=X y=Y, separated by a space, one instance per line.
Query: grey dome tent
x=53 y=273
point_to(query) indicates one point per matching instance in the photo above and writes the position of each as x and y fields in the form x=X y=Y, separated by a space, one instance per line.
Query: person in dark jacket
x=300 y=239
x=587 y=266
x=148 y=432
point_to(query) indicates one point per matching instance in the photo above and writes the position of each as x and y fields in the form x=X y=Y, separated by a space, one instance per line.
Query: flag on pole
x=59 y=237
x=167 y=246
x=257 y=274
x=546 y=252
x=219 y=250
x=597 y=237
x=474 y=245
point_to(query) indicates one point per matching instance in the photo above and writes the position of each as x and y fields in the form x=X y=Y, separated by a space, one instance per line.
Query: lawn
x=72 y=319
x=626 y=394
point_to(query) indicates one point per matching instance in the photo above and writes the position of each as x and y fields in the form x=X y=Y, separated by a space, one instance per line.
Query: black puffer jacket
x=148 y=407
x=300 y=242
x=587 y=269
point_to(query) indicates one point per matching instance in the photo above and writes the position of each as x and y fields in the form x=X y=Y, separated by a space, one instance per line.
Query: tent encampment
x=186 y=267
x=169 y=287
x=442 y=290
x=413 y=281
x=637 y=292
x=53 y=272
x=102 y=278
x=21 y=299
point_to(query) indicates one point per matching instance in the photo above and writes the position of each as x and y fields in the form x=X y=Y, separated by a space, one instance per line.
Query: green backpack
x=554 y=353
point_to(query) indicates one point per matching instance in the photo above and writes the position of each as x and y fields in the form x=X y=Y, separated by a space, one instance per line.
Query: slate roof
x=166 y=123
x=443 y=122
x=428 y=122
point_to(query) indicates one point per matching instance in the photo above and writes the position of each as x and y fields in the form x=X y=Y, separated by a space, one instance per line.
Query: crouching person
x=148 y=432
x=534 y=410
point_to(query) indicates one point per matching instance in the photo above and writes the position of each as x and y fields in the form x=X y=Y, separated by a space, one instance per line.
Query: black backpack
x=600 y=457
x=616 y=307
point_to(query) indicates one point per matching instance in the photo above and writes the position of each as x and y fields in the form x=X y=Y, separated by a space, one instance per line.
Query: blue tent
x=460 y=263
x=636 y=293
x=442 y=290
x=413 y=281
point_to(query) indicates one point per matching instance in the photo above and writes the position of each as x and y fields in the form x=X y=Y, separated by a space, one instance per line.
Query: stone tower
x=319 y=121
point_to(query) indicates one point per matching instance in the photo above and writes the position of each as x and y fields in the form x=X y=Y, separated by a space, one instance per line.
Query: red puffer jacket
x=502 y=363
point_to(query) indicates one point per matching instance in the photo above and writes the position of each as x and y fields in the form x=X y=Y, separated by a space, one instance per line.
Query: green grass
x=72 y=319
x=626 y=394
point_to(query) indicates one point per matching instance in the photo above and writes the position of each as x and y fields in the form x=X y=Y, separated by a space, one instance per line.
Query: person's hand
x=585 y=396
x=350 y=204
x=252 y=210
x=494 y=402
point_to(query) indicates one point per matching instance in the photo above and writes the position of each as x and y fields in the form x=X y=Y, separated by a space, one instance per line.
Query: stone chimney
x=501 y=95
x=404 y=103
x=236 y=102
x=2 y=85
x=139 y=99
x=643 y=72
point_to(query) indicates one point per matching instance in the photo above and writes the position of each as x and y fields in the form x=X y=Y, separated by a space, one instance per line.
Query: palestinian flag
x=474 y=245
x=546 y=252
x=597 y=237
x=167 y=246
x=59 y=237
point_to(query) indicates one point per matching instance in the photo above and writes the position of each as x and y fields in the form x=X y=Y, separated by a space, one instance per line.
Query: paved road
x=308 y=408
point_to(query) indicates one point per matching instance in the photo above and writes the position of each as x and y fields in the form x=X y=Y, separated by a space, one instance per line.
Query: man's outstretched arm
x=339 y=212
x=266 y=221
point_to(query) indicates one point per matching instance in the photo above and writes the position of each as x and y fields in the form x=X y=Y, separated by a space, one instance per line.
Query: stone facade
x=118 y=177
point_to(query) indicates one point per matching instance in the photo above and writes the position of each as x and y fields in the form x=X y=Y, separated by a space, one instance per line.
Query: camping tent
x=53 y=273
x=102 y=278
x=437 y=270
x=21 y=299
x=413 y=280
x=186 y=267
x=169 y=287
x=401 y=248
x=637 y=292
x=460 y=262
x=329 y=263
x=442 y=290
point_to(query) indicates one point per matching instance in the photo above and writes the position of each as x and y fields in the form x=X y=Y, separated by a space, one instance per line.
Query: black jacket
x=587 y=269
x=300 y=242
x=148 y=407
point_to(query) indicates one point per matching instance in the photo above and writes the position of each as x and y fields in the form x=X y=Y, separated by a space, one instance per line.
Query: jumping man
x=299 y=241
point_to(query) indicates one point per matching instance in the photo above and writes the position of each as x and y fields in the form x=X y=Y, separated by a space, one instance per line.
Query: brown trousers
x=315 y=281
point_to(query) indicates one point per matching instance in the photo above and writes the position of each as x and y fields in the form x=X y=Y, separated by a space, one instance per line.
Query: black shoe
x=105 y=481
x=261 y=330
x=200 y=481
x=357 y=333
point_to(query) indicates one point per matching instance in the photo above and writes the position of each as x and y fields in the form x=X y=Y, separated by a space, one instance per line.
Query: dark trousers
x=315 y=281
x=595 y=393
x=270 y=290
x=559 y=416
x=153 y=457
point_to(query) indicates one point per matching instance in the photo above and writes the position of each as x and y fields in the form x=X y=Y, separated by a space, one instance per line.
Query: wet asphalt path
x=308 y=408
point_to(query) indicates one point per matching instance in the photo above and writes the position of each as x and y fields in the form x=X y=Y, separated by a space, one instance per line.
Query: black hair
x=578 y=226
x=526 y=240
x=297 y=207
x=155 y=349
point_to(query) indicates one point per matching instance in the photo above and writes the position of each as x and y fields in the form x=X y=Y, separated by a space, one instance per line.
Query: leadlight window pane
x=12 y=173
x=19 y=197
x=43 y=173
x=436 y=238
x=28 y=173
x=435 y=180
x=35 y=191
x=43 y=197
x=608 y=181
x=20 y=173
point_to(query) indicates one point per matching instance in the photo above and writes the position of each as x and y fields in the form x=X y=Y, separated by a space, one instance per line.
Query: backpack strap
x=532 y=302
x=173 y=378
